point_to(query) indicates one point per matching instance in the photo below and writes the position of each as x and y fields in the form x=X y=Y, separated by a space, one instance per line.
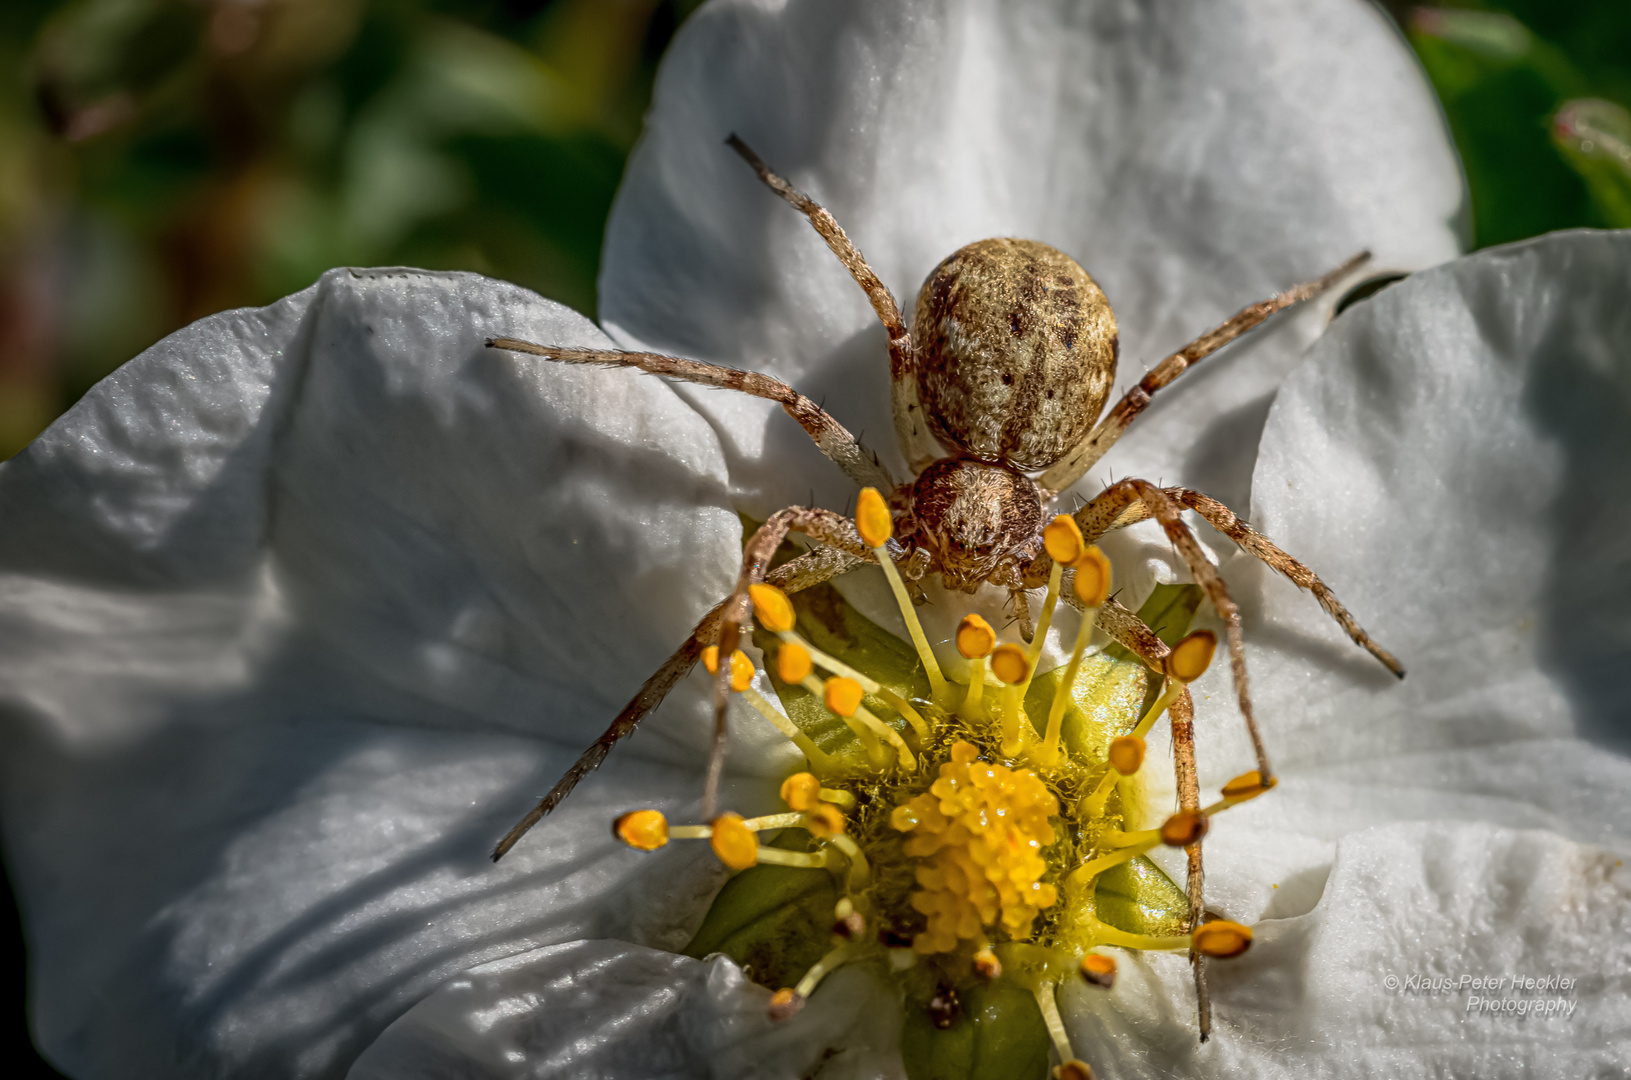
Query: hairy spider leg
x=832 y=438
x=809 y=569
x=917 y=443
x=831 y=530
x=1108 y=506
x=1074 y=465
x=1181 y=715
x=1254 y=543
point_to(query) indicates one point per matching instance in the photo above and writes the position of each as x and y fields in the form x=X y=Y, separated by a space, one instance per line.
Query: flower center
x=965 y=825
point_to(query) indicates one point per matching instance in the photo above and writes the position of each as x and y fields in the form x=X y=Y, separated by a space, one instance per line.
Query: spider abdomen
x=1016 y=351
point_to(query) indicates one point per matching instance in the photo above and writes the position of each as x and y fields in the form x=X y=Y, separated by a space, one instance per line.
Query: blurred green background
x=164 y=159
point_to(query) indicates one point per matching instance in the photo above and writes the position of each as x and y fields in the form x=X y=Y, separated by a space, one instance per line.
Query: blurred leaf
x=1138 y=897
x=998 y=1035
x=1595 y=138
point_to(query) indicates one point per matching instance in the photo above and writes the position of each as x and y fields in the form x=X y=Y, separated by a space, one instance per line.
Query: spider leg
x=1074 y=465
x=1225 y=521
x=1182 y=715
x=809 y=569
x=1109 y=506
x=911 y=421
x=832 y=438
x=832 y=530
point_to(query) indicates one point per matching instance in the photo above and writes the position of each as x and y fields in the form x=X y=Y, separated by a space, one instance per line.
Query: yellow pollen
x=801 y=791
x=824 y=821
x=741 y=667
x=1126 y=754
x=1191 y=656
x=1184 y=828
x=1063 y=540
x=1092 y=580
x=644 y=830
x=1222 y=939
x=843 y=696
x=975 y=638
x=1247 y=786
x=793 y=662
x=978 y=835
x=872 y=519
x=734 y=843
x=1099 y=970
x=771 y=608
x=1008 y=663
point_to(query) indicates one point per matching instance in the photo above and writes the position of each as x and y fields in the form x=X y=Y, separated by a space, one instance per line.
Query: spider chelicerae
x=996 y=391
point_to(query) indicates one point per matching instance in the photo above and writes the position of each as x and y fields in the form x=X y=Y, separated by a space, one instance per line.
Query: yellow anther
x=710 y=659
x=975 y=638
x=771 y=608
x=1222 y=939
x=644 y=830
x=801 y=791
x=872 y=518
x=1099 y=969
x=734 y=843
x=824 y=821
x=1008 y=663
x=793 y=662
x=1247 y=786
x=784 y=1003
x=1184 y=828
x=843 y=696
x=741 y=667
x=1074 y=1069
x=1092 y=581
x=986 y=964
x=1189 y=658
x=848 y=923
x=1126 y=754
x=1063 y=540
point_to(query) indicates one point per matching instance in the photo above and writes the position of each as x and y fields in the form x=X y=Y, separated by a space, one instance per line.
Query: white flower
x=300 y=608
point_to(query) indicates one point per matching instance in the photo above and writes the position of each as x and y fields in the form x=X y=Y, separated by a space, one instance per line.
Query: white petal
x=1194 y=159
x=608 y=1010
x=277 y=601
x=1428 y=901
x=1453 y=460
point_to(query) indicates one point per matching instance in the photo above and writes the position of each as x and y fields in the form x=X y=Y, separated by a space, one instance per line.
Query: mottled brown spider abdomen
x=977 y=520
x=1016 y=352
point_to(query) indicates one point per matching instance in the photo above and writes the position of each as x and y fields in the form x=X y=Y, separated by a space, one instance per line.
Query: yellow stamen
x=1010 y=664
x=1222 y=939
x=876 y=752
x=812 y=978
x=1047 y=755
x=1093 y=805
x=823 y=821
x=872 y=686
x=817 y=756
x=1074 y=1069
x=1091 y=580
x=643 y=830
x=1184 y=828
x=970 y=708
x=741 y=667
x=734 y=843
x=860 y=871
x=939 y=689
x=986 y=965
x=1043 y=624
x=807 y=860
x=801 y=791
x=784 y=1003
x=1085 y=873
x=772 y=610
x=1190 y=658
x=1063 y=540
x=838 y=797
x=1099 y=970
x=793 y=662
x=975 y=638
x=872 y=519
x=1126 y=754
x=1050 y=1017
x=1247 y=786
x=843 y=696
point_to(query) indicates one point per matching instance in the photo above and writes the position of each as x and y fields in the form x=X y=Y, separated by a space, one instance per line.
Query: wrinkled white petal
x=607 y=1010
x=1194 y=157
x=298 y=611
x=1453 y=459
x=1330 y=993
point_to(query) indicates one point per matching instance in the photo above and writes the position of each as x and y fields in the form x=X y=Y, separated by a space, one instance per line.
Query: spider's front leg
x=809 y=569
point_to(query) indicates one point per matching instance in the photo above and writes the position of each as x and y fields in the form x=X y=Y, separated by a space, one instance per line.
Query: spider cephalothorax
x=996 y=395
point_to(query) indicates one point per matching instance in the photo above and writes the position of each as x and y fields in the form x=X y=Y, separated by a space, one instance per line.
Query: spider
x=995 y=390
